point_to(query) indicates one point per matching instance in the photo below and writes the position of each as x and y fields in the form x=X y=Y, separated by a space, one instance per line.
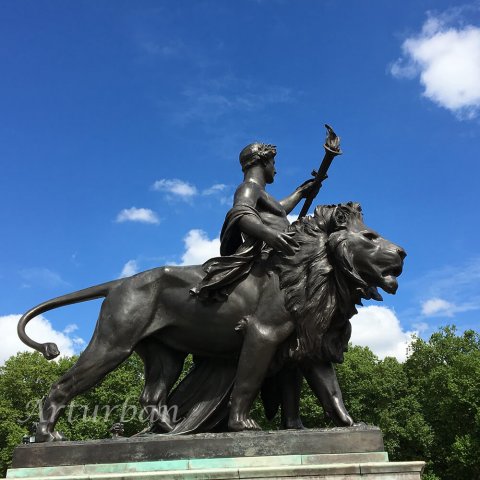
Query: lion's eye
x=370 y=235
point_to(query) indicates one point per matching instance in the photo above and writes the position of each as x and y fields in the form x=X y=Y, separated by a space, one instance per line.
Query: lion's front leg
x=323 y=381
x=259 y=347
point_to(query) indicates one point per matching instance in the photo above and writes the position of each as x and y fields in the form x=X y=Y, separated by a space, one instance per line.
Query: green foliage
x=377 y=392
x=444 y=374
x=10 y=434
x=24 y=379
x=428 y=407
x=27 y=377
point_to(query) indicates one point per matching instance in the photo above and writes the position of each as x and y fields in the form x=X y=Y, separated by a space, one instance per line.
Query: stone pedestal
x=333 y=454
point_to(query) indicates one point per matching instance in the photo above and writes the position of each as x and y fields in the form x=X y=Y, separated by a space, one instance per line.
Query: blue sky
x=121 y=124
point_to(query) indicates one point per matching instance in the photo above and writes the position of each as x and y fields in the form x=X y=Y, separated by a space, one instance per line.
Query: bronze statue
x=277 y=304
x=257 y=223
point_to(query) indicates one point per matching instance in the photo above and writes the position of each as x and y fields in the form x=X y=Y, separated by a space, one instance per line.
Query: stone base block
x=359 y=439
x=334 y=454
x=325 y=467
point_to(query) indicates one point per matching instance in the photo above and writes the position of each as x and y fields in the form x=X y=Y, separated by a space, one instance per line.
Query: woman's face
x=270 y=171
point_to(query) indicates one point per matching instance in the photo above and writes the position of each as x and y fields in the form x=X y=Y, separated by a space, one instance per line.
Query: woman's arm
x=290 y=202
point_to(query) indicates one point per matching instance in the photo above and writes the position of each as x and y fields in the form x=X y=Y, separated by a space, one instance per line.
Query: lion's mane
x=317 y=282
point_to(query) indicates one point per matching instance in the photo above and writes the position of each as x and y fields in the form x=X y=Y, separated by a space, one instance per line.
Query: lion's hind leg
x=291 y=380
x=163 y=367
x=108 y=348
x=91 y=367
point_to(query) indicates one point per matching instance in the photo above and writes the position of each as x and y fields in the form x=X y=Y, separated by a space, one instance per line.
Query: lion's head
x=367 y=259
x=340 y=262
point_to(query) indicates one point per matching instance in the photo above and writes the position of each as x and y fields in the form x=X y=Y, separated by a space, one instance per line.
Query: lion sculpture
x=288 y=318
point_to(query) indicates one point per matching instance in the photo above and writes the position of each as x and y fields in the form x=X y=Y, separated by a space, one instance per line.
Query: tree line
x=427 y=407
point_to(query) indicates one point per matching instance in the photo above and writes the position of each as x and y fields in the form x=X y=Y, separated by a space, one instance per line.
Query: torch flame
x=332 y=141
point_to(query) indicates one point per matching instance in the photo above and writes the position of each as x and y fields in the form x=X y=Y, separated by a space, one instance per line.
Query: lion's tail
x=50 y=350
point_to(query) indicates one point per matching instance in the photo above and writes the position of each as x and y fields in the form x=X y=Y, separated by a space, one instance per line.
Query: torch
x=332 y=149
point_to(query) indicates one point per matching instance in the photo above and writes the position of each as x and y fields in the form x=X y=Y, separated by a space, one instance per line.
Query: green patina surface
x=210 y=466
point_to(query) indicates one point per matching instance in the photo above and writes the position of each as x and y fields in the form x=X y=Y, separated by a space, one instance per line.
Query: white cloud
x=154 y=48
x=227 y=200
x=436 y=306
x=421 y=327
x=217 y=188
x=143 y=215
x=447 y=60
x=217 y=98
x=179 y=189
x=291 y=217
x=450 y=290
x=129 y=269
x=42 y=276
x=379 y=329
x=199 y=248
x=72 y=327
x=41 y=330
x=222 y=103
x=176 y=187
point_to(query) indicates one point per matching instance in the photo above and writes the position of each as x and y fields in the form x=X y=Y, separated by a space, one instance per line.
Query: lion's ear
x=355 y=206
x=318 y=212
x=321 y=215
x=340 y=218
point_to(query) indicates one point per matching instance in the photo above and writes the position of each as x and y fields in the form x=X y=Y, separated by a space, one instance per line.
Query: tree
x=27 y=377
x=444 y=374
x=377 y=392
x=428 y=407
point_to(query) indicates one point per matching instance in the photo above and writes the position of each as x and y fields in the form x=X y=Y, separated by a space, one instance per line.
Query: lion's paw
x=238 y=425
x=293 y=424
x=55 y=436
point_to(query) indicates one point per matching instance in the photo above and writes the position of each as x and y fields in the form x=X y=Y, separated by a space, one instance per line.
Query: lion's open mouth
x=389 y=284
x=385 y=279
x=389 y=281
x=394 y=271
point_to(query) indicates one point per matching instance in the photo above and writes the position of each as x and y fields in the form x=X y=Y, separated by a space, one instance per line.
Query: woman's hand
x=310 y=187
x=282 y=242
